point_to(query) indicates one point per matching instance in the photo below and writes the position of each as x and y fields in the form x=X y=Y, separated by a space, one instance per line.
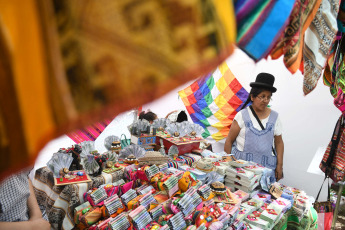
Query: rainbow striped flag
x=213 y=101
x=90 y=133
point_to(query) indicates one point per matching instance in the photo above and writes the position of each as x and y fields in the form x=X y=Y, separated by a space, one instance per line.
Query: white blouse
x=241 y=136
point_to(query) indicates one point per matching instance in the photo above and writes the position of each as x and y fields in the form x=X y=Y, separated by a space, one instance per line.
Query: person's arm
x=279 y=144
x=30 y=225
x=233 y=133
x=35 y=216
x=170 y=113
x=34 y=210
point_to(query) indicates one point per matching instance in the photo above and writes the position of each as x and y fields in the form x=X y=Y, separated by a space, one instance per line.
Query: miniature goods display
x=59 y=164
x=113 y=144
x=173 y=152
x=153 y=157
x=139 y=126
x=131 y=159
x=218 y=187
x=72 y=177
x=90 y=158
x=160 y=124
x=176 y=129
x=75 y=152
x=204 y=165
x=193 y=129
x=93 y=163
x=185 y=193
x=116 y=146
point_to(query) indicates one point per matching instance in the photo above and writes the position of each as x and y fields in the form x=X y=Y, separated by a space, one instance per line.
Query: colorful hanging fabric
x=291 y=43
x=332 y=66
x=68 y=64
x=213 y=101
x=89 y=133
x=318 y=39
x=260 y=24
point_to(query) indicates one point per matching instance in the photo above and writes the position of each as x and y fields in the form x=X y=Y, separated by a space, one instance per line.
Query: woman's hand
x=279 y=172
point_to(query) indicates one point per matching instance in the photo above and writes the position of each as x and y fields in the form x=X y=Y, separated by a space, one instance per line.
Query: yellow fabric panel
x=21 y=21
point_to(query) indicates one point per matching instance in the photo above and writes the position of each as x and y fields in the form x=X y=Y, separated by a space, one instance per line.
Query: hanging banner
x=214 y=100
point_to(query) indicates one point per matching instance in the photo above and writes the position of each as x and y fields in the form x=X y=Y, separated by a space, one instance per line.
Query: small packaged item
x=112 y=204
x=264 y=207
x=256 y=203
x=242 y=195
x=80 y=210
x=271 y=214
x=275 y=191
x=256 y=221
x=239 y=163
x=119 y=222
x=284 y=204
x=91 y=216
x=255 y=168
x=263 y=196
x=244 y=211
x=288 y=194
x=98 y=195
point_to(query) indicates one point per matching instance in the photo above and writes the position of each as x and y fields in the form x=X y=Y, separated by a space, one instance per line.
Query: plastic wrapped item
x=160 y=124
x=193 y=129
x=135 y=150
x=254 y=167
x=263 y=196
x=271 y=214
x=87 y=147
x=109 y=140
x=267 y=178
x=242 y=195
x=173 y=151
x=244 y=211
x=255 y=220
x=256 y=203
x=176 y=129
x=284 y=204
x=239 y=163
x=213 y=177
x=59 y=161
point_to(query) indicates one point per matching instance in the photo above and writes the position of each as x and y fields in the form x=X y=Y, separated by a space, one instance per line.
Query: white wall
x=308 y=121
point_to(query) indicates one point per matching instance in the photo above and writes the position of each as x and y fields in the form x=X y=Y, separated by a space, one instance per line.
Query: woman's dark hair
x=149 y=116
x=253 y=92
x=182 y=116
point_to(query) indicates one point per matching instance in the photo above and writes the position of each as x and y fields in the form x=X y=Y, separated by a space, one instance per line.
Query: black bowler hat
x=264 y=80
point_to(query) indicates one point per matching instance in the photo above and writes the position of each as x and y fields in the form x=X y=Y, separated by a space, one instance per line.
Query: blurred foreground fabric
x=65 y=65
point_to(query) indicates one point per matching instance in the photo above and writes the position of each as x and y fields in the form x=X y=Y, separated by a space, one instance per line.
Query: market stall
x=168 y=188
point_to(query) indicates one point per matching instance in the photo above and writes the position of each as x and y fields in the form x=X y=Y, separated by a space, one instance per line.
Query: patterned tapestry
x=260 y=24
x=213 y=101
x=67 y=64
x=319 y=38
x=291 y=43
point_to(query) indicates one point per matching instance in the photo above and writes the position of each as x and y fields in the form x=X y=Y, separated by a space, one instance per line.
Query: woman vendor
x=250 y=141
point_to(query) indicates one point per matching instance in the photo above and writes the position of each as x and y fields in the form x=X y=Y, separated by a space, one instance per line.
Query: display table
x=59 y=201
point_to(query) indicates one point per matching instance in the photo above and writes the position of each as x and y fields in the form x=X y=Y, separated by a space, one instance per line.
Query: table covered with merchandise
x=59 y=202
x=170 y=188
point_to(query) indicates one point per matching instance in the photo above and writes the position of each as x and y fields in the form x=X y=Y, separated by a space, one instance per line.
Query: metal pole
x=336 y=210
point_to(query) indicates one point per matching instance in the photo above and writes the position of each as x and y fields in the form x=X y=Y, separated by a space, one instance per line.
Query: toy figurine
x=116 y=146
x=131 y=159
x=63 y=172
x=109 y=164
